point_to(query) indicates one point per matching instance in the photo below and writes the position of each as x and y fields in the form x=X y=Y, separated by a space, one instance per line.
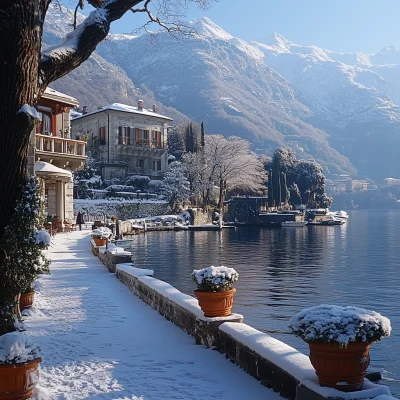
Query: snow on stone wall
x=125 y=209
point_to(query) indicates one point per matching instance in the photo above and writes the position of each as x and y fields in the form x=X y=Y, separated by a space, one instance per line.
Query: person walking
x=80 y=220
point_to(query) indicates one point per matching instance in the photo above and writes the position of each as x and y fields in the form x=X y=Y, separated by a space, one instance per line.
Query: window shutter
x=137 y=136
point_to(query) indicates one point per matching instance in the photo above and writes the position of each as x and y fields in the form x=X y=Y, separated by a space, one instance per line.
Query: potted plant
x=101 y=235
x=37 y=266
x=19 y=366
x=215 y=290
x=19 y=358
x=339 y=339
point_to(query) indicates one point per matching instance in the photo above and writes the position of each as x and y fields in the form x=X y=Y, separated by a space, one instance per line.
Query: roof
x=127 y=109
x=43 y=168
x=64 y=98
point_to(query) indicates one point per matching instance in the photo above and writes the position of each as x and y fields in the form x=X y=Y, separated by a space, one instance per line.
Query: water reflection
x=284 y=270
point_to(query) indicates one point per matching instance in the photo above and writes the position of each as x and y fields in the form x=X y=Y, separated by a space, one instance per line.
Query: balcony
x=155 y=144
x=149 y=143
x=60 y=151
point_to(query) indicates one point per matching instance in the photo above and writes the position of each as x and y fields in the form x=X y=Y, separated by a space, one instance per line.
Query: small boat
x=294 y=224
x=333 y=221
x=339 y=214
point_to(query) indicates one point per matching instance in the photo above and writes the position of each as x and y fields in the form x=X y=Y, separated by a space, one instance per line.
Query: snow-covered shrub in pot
x=339 y=339
x=215 y=290
x=100 y=235
x=22 y=260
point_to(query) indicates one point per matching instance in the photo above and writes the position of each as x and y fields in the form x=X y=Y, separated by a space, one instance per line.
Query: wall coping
x=294 y=362
x=134 y=271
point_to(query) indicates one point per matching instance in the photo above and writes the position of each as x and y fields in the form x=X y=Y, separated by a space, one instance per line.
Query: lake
x=283 y=270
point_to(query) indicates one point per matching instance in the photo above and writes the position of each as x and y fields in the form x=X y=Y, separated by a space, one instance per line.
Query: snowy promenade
x=99 y=341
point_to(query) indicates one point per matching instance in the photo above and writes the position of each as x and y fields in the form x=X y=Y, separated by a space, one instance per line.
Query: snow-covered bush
x=342 y=325
x=102 y=233
x=214 y=279
x=16 y=348
x=24 y=259
x=155 y=186
x=138 y=182
x=43 y=238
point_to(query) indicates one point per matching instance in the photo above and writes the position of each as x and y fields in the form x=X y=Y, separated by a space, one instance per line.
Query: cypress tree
x=277 y=182
x=284 y=189
x=270 y=189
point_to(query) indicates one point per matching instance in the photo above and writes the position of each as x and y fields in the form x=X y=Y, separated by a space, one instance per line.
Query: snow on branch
x=79 y=44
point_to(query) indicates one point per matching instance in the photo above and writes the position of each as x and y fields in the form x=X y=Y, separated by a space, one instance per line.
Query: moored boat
x=294 y=224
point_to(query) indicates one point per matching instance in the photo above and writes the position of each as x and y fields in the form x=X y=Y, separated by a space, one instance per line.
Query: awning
x=43 y=168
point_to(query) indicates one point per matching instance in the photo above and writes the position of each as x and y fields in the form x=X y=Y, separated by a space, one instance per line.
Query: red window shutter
x=137 y=136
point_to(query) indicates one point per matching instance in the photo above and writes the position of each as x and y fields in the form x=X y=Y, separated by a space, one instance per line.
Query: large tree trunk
x=20 y=45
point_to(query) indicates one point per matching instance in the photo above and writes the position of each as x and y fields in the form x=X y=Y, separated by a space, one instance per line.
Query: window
x=157 y=165
x=102 y=136
x=141 y=165
x=44 y=126
x=123 y=135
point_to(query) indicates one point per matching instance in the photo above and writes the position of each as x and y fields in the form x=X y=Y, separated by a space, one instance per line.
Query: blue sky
x=341 y=25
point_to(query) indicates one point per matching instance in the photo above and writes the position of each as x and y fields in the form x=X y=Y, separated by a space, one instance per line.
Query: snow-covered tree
x=86 y=179
x=175 y=186
x=176 y=142
x=26 y=71
x=196 y=171
x=231 y=165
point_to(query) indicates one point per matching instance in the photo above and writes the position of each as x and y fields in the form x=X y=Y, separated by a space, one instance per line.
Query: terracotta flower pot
x=18 y=380
x=342 y=368
x=218 y=304
x=26 y=300
x=100 y=242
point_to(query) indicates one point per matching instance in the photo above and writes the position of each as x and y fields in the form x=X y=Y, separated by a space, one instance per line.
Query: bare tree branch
x=80 y=44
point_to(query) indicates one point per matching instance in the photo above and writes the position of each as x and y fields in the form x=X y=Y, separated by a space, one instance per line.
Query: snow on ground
x=99 y=341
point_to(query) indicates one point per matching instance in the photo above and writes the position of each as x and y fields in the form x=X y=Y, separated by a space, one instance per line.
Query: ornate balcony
x=60 y=152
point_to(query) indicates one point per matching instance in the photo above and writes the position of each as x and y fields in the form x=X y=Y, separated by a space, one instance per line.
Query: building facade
x=125 y=140
x=54 y=155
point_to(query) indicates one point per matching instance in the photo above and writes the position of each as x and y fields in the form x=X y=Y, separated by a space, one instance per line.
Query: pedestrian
x=80 y=220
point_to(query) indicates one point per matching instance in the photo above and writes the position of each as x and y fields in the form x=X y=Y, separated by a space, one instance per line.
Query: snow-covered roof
x=128 y=109
x=43 y=168
x=55 y=95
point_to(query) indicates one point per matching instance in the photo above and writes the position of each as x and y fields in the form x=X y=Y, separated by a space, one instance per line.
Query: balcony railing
x=149 y=143
x=125 y=140
x=55 y=144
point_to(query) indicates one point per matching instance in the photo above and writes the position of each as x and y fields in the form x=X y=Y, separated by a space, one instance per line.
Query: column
x=60 y=194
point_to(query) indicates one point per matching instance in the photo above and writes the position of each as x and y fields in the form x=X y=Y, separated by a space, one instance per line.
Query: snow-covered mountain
x=274 y=92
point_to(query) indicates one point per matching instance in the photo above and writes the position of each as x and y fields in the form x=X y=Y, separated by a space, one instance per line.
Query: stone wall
x=274 y=363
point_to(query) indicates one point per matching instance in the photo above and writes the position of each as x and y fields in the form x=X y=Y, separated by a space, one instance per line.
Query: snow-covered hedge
x=215 y=279
x=342 y=325
x=126 y=209
x=102 y=233
x=16 y=348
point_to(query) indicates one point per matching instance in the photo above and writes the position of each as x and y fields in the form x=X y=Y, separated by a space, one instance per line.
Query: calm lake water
x=283 y=270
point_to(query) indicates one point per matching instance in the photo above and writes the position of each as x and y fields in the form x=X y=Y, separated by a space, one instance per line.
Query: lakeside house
x=53 y=155
x=125 y=140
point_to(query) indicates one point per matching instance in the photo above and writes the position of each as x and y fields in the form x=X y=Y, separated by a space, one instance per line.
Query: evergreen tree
x=284 y=190
x=271 y=201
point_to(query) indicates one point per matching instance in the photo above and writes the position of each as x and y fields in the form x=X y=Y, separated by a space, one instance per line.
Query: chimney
x=84 y=110
x=140 y=105
x=154 y=108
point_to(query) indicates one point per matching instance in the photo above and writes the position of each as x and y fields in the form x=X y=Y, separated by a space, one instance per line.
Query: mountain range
x=340 y=108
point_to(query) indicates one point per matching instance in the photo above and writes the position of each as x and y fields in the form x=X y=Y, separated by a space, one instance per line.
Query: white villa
x=125 y=140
